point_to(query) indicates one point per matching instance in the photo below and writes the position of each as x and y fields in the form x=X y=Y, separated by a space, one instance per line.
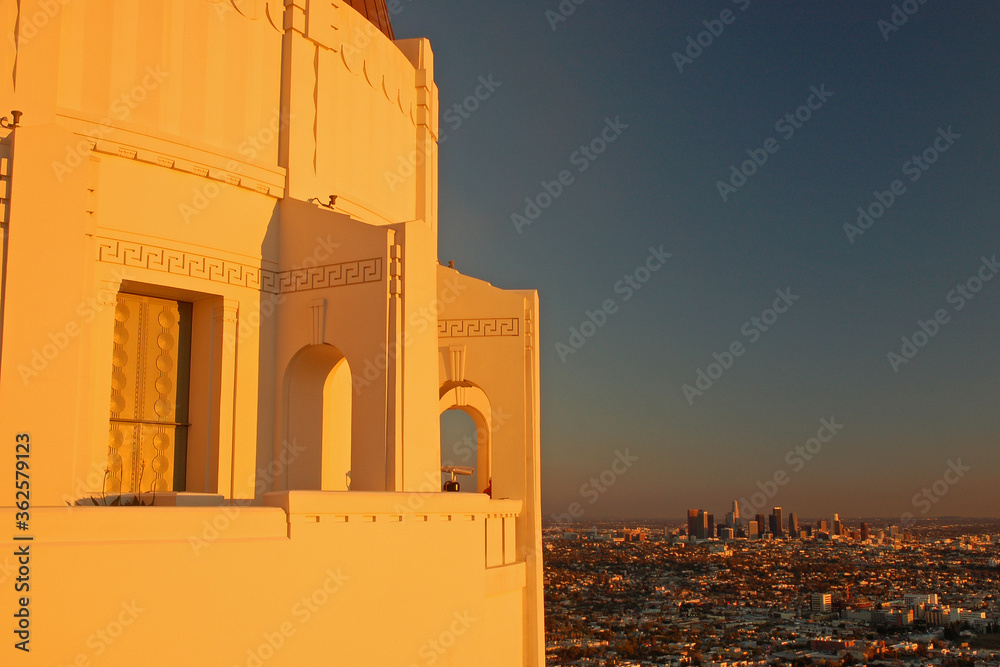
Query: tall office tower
x=692 y=524
x=761 y=524
x=730 y=520
x=772 y=526
x=753 y=532
x=821 y=525
x=838 y=527
x=793 y=525
x=736 y=514
x=865 y=533
x=701 y=530
x=780 y=529
x=710 y=525
x=834 y=518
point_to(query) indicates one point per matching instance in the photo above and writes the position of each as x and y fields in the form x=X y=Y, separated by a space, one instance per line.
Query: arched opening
x=460 y=446
x=316 y=451
x=466 y=436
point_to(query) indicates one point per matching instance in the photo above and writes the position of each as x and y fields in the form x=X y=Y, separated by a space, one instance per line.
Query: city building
x=836 y=525
x=720 y=549
x=917 y=599
x=793 y=525
x=777 y=529
x=822 y=603
x=222 y=306
x=891 y=617
x=703 y=525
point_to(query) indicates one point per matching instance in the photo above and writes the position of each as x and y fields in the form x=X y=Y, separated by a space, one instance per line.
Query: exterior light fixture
x=11 y=124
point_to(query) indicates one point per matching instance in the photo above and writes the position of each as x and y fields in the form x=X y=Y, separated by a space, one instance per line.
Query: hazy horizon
x=549 y=521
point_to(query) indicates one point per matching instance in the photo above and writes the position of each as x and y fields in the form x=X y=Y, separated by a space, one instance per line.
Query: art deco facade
x=221 y=298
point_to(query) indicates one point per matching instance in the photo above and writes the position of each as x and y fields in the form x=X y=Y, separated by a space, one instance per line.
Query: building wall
x=181 y=170
x=273 y=164
x=484 y=335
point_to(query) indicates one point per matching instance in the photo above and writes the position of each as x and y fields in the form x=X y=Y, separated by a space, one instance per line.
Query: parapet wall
x=359 y=579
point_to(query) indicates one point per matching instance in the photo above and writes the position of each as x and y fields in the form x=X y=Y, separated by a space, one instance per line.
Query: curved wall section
x=363 y=116
x=199 y=71
x=312 y=94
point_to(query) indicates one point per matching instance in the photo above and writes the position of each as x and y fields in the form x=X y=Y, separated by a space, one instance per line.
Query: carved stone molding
x=221 y=175
x=178 y=262
x=502 y=326
x=529 y=330
x=182 y=263
x=317 y=316
x=227 y=311
x=331 y=275
x=253 y=10
x=456 y=369
x=360 y=45
x=4 y=184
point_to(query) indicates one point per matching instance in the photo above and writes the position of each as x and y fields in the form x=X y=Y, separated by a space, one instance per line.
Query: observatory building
x=226 y=343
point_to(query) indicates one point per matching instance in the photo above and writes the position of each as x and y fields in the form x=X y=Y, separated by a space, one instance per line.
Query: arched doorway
x=318 y=420
x=476 y=438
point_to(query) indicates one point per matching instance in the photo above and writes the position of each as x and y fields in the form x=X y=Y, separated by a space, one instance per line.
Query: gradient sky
x=656 y=184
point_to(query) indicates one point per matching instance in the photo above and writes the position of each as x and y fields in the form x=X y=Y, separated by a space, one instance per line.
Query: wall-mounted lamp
x=11 y=125
x=332 y=203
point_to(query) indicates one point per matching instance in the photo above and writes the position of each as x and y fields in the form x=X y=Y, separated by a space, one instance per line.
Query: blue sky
x=885 y=96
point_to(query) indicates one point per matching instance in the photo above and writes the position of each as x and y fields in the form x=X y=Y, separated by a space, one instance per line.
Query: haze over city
x=739 y=138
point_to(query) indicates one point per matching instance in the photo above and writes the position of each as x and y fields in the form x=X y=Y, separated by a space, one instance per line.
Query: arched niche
x=317 y=418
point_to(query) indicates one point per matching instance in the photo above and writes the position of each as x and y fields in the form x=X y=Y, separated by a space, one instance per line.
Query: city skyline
x=701 y=524
x=682 y=182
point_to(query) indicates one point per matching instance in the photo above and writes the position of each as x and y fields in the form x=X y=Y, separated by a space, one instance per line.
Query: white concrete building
x=221 y=304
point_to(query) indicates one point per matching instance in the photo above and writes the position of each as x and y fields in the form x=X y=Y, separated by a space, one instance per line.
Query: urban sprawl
x=766 y=590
